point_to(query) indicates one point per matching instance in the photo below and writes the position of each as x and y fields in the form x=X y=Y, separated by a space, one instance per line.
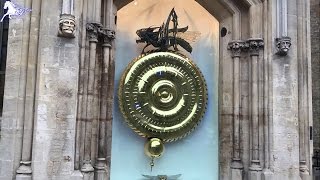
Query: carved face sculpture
x=67 y=26
x=284 y=45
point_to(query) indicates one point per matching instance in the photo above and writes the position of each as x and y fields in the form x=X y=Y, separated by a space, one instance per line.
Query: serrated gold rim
x=149 y=132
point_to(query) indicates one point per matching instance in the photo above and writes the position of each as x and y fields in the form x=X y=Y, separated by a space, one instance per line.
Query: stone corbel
x=67 y=23
x=283 y=45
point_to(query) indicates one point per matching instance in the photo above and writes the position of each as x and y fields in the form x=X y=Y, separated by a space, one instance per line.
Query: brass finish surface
x=154 y=148
x=163 y=95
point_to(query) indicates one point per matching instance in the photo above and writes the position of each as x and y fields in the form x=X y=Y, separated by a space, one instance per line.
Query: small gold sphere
x=154 y=148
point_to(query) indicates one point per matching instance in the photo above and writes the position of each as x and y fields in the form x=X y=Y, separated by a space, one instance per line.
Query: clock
x=162 y=96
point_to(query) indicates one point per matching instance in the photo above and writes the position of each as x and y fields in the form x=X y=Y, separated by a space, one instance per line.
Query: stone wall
x=263 y=113
x=315 y=56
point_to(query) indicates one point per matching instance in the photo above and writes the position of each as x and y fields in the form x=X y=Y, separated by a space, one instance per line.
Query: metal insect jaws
x=163 y=37
x=162 y=177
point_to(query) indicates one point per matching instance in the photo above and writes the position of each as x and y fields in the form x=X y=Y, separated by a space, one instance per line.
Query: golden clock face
x=162 y=95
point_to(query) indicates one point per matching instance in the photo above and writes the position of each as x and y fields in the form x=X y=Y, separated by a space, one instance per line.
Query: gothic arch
x=237 y=17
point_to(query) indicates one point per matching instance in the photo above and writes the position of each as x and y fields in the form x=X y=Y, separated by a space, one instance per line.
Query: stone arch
x=236 y=17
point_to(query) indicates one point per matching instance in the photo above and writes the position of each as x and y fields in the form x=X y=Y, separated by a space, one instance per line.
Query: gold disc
x=163 y=95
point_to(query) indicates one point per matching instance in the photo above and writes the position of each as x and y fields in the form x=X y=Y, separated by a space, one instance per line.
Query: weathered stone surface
x=315 y=59
x=57 y=89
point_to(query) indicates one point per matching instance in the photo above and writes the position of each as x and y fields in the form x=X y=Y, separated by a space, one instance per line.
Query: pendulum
x=153 y=148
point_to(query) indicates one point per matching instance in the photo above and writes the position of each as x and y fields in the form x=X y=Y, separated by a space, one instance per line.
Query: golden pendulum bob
x=153 y=148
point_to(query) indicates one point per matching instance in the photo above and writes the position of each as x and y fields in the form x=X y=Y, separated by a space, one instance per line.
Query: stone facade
x=58 y=98
x=315 y=56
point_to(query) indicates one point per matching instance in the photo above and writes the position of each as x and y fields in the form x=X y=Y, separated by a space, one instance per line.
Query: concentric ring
x=163 y=95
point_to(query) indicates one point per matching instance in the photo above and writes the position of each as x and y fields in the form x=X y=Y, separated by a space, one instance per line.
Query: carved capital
x=67 y=26
x=107 y=36
x=93 y=31
x=97 y=32
x=254 y=45
x=236 y=47
x=283 y=45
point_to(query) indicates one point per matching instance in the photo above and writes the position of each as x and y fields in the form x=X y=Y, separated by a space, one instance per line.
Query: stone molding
x=24 y=168
x=283 y=45
x=251 y=45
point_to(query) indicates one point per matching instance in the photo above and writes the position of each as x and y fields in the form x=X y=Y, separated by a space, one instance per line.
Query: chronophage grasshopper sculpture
x=163 y=37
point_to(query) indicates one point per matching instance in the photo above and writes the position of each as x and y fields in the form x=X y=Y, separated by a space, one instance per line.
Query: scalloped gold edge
x=120 y=87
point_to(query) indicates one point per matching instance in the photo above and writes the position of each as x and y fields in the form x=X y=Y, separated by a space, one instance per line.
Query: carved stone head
x=67 y=25
x=283 y=45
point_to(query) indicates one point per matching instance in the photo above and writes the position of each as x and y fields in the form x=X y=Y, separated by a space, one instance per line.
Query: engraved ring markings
x=162 y=95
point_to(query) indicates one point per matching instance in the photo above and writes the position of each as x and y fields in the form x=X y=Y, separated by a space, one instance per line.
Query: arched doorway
x=196 y=156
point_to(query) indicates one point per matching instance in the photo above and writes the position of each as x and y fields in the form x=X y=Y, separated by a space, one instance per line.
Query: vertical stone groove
x=25 y=171
x=81 y=88
x=303 y=101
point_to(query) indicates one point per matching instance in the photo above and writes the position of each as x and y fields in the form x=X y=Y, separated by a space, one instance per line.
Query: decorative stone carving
x=67 y=26
x=96 y=32
x=254 y=45
x=283 y=45
x=92 y=31
x=107 y=35
x=236 y=47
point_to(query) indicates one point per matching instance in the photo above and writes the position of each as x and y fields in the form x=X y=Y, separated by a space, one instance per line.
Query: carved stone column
x=101 y=167
x=304 y=90
x=236 y=164
x=87 y=168
x=255 y=168
x=267 y=173
x=67 y=22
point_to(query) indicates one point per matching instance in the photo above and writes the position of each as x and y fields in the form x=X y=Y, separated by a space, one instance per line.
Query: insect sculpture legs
x=166 y=30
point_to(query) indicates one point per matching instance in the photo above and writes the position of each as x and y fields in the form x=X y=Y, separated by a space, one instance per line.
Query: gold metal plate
x=163 y=95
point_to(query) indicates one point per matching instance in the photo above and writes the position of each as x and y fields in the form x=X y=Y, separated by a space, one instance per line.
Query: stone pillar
x=87 y=169
x=304 y=99
x=236 y=164
x=67 y=22
x=267 y=173
x=255 y=168
x=81 y=99
x=24 y=172
x=101 y=167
